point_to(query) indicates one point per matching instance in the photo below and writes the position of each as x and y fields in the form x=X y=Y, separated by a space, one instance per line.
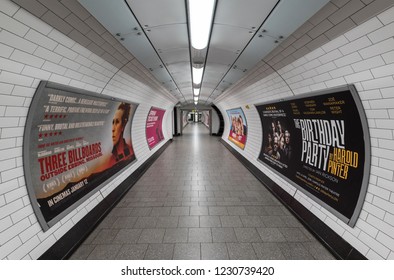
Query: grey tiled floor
x=197 y=201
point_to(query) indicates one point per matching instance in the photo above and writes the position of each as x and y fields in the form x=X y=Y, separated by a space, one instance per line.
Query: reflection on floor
x=197 y=201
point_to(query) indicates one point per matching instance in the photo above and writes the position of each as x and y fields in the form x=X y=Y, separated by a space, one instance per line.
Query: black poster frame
x=46 y=222
x=351 y=221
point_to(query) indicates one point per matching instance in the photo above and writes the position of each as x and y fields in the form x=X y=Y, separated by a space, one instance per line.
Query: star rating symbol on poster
x=51 y=134
x=48 y=116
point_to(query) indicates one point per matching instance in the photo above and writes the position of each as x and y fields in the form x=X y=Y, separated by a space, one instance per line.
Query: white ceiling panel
x=229 y=38
x=158 y=12
x=246 y=13
x=175 y=55
x=177 y=32
x=221 y=56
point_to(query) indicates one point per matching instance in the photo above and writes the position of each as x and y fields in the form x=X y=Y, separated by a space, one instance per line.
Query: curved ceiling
x=243 y=33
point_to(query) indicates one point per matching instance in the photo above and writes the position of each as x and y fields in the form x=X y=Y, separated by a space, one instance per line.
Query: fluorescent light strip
x=196 y=91
x=197 y=75
x=200 y=13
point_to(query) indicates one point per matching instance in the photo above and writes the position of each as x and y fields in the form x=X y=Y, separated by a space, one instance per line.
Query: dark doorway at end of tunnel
x=208 y=116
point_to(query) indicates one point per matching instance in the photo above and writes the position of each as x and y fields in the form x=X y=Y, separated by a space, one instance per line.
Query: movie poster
x=74 y=142
x=205 y=118
x=154 y=130
x=238 y=127
x=184 y=118
x=319 y=143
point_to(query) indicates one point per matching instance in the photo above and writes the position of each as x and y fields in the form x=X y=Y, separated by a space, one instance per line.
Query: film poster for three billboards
x=317 y=142
x=154 y=129
x=76 y=143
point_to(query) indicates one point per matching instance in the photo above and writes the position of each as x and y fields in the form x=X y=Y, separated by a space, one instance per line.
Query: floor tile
x=214 y=251
x=151 y=236
x=176 y=235
x=105 y=236
x=252 y=221
x=210 y=221
x=167 y=222
x=189 y=221
x=159 y=252
x=268 y=251
x=198 y=210
x=241 y=251
x=293 y=235
x=146 y=222
x=132 y=252
x=124 y=222
x=231 y=221
x=200 y=235
x=160 y=211
x=223 y=235
x=295 y=251
x=104 y=252
x=247 y=235
x=217 y=210
x=271 y=235
x=127 y=236
x=187 y=251
x=236 y=211
x=180 y=211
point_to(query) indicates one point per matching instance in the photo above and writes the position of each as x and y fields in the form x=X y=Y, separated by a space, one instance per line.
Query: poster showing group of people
x=154 y=129
x=74 y=142
x=317 y=142
x=238 y=127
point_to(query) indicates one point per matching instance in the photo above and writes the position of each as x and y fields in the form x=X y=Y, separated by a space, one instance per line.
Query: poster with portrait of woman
x=238 y=127
x=75 y=141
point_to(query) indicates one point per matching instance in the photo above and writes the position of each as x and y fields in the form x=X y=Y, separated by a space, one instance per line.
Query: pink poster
x=154 y=131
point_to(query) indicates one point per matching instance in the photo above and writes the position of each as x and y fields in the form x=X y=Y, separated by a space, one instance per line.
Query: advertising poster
x=184 y=118
x=238 y=127
x=319 y=143
x=205 y=118
x=154 y=130
x=74 y=142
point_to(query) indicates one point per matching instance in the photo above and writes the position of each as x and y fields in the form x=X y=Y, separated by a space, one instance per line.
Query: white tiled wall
x=364 y=55
x=30 y=51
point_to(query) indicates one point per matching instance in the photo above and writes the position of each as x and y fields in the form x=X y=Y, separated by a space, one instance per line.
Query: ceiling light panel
x=200 y=21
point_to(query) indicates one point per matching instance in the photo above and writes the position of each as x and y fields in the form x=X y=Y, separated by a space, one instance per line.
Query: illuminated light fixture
x=196 y=91
x=195 y=98
x=195 y=102
x=200 y=15
x=197 y=75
